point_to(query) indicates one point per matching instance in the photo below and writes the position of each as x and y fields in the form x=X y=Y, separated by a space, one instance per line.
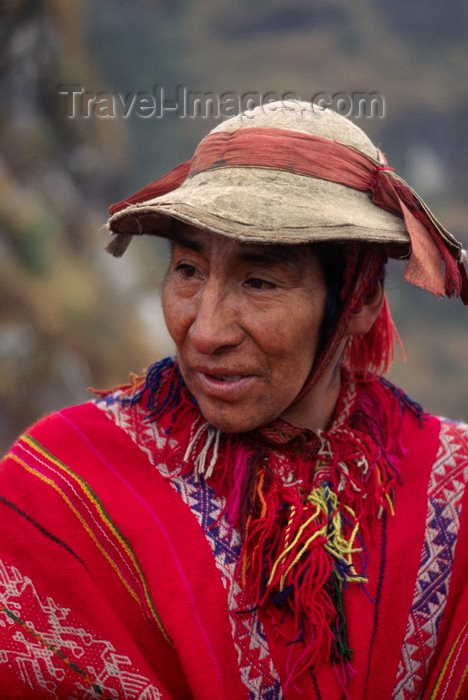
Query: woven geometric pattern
x=446 y=487
x=58 y=655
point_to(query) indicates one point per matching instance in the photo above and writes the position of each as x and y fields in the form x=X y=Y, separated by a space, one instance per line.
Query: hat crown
x=306 y=117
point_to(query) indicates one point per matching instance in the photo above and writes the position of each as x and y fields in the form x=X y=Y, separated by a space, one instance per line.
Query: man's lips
x=225 y=377
x=222 y=382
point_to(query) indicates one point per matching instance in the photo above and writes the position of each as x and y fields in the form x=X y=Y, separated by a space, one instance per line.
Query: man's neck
x=315 y=410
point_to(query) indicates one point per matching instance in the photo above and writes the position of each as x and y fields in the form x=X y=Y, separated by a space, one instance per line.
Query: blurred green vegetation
x=70 y=316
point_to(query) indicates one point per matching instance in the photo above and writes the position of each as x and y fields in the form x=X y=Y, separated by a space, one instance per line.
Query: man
x=262 y=516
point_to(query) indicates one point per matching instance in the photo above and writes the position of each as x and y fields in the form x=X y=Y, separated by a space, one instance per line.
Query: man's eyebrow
x=270 y=255
x=186 y=242
x=253 y=253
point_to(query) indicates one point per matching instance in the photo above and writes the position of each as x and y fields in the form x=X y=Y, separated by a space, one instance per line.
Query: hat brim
x=261 y=205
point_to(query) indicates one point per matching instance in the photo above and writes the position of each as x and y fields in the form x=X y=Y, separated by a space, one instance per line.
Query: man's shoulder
x=450 y=465
x=53 y=423
x=62 y=432
x=454 y=431
x=71 y=419
x=422 y=420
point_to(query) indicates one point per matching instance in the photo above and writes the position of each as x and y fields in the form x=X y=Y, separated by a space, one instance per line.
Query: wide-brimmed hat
x=269 y=205
x=290 y=173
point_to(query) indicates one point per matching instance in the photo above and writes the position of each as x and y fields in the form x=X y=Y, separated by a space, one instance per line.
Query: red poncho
x=145 y=555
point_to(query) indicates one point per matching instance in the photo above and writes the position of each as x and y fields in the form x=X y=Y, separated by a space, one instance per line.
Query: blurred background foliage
x=71 y=316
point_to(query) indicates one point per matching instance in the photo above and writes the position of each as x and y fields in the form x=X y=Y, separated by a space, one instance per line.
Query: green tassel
x=340 y=648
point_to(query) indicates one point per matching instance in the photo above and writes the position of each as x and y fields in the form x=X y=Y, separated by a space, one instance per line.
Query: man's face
x=245 y=319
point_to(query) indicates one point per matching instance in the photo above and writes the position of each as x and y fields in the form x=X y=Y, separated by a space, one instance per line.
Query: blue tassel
x=156 y=379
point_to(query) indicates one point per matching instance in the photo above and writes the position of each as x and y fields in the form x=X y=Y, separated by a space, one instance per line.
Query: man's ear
x=362 y=320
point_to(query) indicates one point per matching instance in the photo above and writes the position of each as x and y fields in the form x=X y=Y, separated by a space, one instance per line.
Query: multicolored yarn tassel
x=302 y=501
x=304 y=539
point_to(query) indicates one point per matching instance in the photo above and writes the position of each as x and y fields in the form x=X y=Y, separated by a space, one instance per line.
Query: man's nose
x=216 y=320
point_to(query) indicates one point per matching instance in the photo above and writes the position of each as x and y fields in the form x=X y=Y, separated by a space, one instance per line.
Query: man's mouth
x=223 y=383
x=228 y=378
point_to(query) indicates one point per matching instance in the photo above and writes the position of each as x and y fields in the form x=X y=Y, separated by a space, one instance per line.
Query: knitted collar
x=303 y=501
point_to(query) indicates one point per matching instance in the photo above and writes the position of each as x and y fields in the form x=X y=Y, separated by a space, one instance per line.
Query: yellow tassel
x=325 y=503
x=291 y=546
x=390 y=503
x=313 y=537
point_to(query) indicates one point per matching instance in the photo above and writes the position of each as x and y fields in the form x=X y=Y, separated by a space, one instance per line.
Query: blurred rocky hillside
x=65 y=322
x=70 y=316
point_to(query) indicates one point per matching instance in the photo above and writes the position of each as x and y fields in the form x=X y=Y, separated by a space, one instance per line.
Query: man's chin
x=232 y=427
x=231 y=421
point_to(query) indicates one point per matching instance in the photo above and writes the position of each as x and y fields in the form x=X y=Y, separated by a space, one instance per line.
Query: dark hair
x=332 y=257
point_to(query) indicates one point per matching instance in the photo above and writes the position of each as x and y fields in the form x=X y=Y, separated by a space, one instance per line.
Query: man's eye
x=186 y=270
x=257 y=283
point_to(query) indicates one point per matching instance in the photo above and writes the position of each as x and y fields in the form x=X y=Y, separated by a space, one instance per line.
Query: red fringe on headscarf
x=375 y=350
